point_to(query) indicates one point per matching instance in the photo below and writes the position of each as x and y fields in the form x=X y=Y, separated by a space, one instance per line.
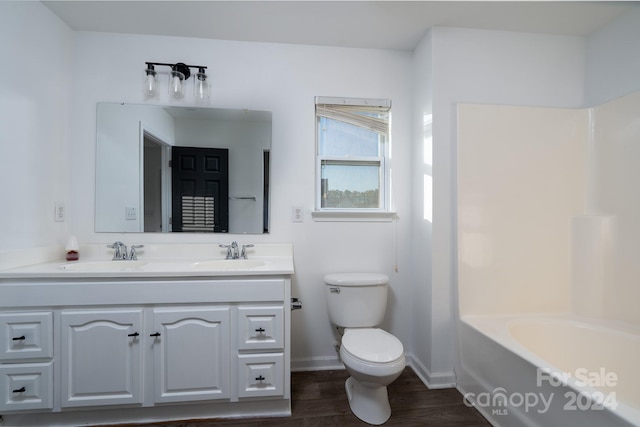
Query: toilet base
x=369 y=402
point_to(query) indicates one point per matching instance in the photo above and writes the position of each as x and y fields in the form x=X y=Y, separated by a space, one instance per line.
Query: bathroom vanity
x=100 y=341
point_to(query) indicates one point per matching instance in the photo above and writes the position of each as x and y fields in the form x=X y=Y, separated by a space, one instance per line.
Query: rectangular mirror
x=182 y=169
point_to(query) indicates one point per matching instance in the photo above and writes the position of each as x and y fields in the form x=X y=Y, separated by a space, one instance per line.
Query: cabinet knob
x=19 y=338
x=260 y=330
x=135 y=334
x=20 y=390
x=260 y=378
x=156 y=334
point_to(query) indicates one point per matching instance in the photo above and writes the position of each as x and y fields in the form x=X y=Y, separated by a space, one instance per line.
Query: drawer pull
x=135 y=334
x=156 y=334
x=260 y=330
x=20 y=338
x=260 y=378
x=20 y=390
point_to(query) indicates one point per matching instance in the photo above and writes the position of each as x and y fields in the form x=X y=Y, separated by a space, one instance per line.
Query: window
x=352 y=143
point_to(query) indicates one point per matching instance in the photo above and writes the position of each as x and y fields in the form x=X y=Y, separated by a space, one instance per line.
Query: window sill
x=352 y=216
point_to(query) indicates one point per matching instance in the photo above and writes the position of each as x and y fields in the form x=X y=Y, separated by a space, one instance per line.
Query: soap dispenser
x=72 y=249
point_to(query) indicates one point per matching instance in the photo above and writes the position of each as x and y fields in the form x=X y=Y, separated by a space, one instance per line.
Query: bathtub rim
x=496 y=328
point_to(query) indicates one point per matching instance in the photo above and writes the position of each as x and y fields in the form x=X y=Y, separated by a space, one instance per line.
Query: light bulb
x=150 y=88
x=201 y=85
x=176 y=86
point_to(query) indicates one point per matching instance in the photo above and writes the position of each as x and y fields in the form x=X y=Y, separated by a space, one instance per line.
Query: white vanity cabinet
x=102 y=351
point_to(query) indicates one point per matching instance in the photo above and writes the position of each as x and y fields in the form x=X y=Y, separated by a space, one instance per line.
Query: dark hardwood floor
x=319 y=400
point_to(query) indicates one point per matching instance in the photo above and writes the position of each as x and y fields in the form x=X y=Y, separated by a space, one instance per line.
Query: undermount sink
x=102 y=266
x=228 y=264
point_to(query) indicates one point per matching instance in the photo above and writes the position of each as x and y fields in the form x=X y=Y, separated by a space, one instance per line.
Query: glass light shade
x=201 y=86
x=176 y=84
x=150 y=86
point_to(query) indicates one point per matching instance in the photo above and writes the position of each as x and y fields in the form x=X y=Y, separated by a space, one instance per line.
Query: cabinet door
x=101 y=357
x=191 y=354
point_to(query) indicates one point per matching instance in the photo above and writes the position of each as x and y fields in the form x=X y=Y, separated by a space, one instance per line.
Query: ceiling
x=366 y=24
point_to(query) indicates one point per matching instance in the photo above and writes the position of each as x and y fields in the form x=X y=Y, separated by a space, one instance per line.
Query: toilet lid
x=372 y=345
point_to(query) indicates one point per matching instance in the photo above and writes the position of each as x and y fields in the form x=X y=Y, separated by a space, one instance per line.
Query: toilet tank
x=356 y=300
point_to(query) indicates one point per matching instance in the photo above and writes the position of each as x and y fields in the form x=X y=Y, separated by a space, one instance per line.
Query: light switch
x=130 y=213
x=59 y=212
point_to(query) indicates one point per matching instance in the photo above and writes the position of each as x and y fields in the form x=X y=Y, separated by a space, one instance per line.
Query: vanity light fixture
x=178 y=75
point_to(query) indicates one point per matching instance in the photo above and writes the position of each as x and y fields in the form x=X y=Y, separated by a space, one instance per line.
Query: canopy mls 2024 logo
x=499 y=401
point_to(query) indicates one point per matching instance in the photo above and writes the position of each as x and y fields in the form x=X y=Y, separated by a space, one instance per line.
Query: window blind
x=197 y=213
x=366 y=114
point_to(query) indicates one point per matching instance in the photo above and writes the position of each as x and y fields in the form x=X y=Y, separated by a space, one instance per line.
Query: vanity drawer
x=28 y=386
x=261 y=375
x=27 y=335
x=261 y=327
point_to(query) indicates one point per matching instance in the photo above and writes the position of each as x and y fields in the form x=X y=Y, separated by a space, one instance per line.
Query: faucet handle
x=243 y=253
x=228 y=248
x=117 y=250
x=133 y=256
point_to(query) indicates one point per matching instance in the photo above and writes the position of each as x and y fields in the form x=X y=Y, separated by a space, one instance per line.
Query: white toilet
x=374 y=358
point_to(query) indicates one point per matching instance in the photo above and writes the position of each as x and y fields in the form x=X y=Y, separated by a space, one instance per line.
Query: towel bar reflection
x=244 y=198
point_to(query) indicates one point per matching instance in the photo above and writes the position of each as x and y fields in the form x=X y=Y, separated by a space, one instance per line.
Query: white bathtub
x=550 y=371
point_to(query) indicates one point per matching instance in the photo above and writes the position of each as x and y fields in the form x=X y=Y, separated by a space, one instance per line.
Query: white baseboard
x=323 y=363
x=433 y=380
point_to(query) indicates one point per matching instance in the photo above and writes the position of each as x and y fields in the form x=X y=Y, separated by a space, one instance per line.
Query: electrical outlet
x=59 y=212
x=297 y=214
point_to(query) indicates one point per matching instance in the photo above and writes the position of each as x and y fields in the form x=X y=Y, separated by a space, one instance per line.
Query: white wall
x=613 y=60
x=34 y=130
x=422 y=211
x=283 y=79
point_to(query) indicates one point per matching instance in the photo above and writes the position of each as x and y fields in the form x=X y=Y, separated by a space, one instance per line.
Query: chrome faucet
x=120 y=251
x=234 y=252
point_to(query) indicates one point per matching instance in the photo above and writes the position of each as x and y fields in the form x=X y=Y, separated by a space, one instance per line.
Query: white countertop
x=180 y=260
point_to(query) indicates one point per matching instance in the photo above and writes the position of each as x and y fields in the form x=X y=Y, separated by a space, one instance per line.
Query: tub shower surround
x=547 y=235
x=201 y=339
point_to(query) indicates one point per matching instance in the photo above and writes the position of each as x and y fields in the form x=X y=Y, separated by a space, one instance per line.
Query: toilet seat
x=372 y=346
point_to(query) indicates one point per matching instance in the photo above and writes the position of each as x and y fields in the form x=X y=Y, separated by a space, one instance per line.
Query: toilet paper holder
x=296 y=304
